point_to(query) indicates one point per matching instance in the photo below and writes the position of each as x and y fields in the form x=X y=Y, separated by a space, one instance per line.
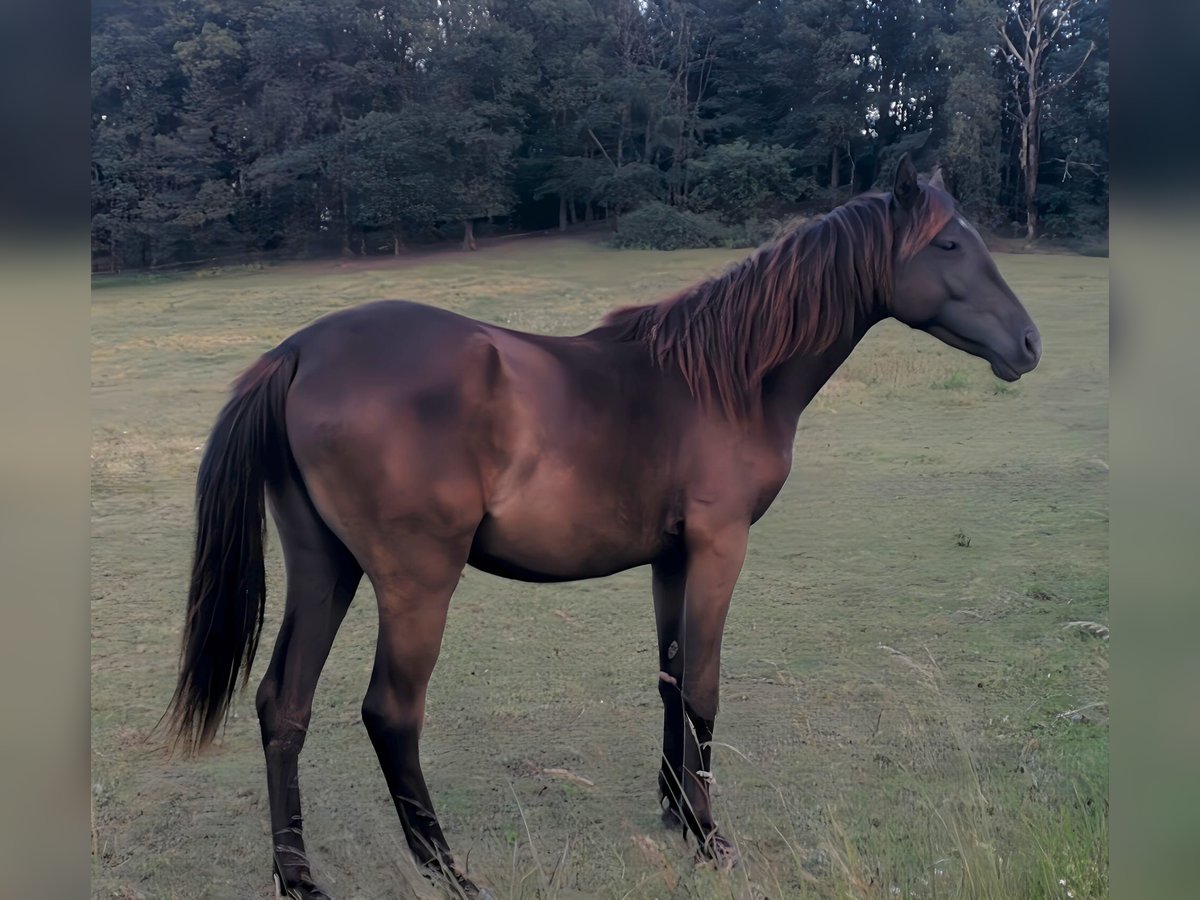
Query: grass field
x=907 y=710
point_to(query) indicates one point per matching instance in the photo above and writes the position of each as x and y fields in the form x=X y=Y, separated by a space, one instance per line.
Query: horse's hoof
x=718 y=850
x=460 y=884
x=673 y=820
x=302 y=890
x=471 y=889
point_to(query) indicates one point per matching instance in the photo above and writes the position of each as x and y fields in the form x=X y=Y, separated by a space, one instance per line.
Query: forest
x=226 y=129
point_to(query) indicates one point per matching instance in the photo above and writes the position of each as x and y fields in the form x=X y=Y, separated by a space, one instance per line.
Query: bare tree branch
x=1014 y=53
x=1068 y=162
x=601 y=146
x=1051 y=87
x=1064 y=15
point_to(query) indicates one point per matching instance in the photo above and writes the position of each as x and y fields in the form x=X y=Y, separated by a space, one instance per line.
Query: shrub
x=739 y=179
x=657 y=226
x=755 y=232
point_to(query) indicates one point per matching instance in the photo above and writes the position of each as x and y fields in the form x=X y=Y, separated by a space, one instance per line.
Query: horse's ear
x=935 y=180
x=906 y=189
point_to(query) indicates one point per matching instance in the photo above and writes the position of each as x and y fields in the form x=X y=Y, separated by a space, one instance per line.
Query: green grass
x=891 y=720
x=955 y=381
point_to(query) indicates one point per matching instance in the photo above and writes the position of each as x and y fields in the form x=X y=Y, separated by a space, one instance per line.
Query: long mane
x=798 y=294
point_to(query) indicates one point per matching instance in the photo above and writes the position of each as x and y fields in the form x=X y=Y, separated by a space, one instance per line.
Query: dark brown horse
x=407 y=442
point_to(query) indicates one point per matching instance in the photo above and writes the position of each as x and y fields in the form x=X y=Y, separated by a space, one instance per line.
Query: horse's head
x=947 y=284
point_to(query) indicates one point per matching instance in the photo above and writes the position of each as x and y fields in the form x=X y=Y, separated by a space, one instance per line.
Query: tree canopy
x=225 y=127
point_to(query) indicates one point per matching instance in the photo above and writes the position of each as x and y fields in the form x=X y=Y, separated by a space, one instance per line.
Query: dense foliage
x=226 y=127
x=657 y=226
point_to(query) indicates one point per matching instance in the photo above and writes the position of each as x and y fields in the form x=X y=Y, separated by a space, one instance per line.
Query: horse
x=406 y=442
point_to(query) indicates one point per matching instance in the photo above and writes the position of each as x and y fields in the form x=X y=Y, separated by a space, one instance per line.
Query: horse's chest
x=767 y=481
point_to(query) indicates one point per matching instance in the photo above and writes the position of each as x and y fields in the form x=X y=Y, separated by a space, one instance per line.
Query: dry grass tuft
x=1092 y=628
x=567 y=775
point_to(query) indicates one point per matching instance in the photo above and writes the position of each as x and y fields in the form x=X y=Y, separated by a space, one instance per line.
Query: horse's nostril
x=1033 y=342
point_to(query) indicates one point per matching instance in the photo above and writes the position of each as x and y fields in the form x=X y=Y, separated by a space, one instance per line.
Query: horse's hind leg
x=322 y=577
x=414 y=592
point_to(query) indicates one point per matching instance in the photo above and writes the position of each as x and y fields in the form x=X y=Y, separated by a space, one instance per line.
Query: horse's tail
x=247 y=449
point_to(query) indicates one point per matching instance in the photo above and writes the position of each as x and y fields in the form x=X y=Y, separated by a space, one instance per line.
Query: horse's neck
x=791 y=387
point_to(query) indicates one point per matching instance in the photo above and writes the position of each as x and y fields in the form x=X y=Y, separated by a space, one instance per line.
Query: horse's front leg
x=691 y=598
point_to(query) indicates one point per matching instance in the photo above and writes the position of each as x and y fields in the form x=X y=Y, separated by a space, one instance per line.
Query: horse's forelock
x=929 y=216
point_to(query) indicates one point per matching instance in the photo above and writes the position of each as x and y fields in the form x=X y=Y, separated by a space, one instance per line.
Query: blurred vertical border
x=1155 y=454
x=44 y=438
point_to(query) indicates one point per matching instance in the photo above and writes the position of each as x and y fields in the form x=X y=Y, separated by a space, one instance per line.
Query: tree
x=1073 y=195
x=481 y=75
x=969 y=127
x=208 y=146
x=300 y=127
x=736 y=180
x=1031 y=35
x=391 y=173
x=136 y=87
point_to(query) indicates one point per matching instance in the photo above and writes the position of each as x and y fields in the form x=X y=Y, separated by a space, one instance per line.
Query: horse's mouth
x=1000 y=368
x=1004 y=371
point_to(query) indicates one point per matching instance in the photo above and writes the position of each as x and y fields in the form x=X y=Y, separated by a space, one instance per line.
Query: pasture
x=910 y=705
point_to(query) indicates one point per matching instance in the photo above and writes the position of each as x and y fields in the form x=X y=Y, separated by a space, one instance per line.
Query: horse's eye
x=948 y=245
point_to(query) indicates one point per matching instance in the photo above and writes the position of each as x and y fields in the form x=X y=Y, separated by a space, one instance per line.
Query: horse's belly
x=528 y=547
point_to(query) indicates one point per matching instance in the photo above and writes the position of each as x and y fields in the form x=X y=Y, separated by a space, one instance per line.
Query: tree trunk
x=587 y=211
x=853 y=168
x=572 y=216
x=469 y=235
x=621 y=136
x=833 y=168
x=562 y=213
x=1032 y=162
x=346 y=249
x=397 y=239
